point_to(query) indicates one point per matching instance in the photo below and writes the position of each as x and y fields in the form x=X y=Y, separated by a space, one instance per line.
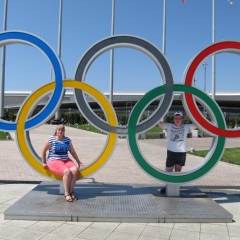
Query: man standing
x=176 y=143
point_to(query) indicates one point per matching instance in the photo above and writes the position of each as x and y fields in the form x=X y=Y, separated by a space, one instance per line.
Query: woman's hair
x=59 y=126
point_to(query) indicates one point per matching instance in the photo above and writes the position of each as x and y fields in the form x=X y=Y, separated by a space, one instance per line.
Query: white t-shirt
x=176 y=136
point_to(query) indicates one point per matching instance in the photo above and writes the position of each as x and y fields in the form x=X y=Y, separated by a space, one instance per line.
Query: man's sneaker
x=163 y=190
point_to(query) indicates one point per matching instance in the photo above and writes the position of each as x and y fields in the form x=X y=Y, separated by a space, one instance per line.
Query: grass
x=230 y=155
x=5 y=136
x=151 y=132
x=155 y=129
x=86 y=127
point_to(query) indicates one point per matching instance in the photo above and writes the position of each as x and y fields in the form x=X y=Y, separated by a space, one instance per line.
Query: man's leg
x=171 y=159
x=169 y=169
x=177 y=168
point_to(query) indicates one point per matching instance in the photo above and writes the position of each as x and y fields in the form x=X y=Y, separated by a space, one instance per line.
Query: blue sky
x=85 y=22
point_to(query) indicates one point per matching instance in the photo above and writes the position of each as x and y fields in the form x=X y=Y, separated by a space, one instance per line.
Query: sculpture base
x=117 y=203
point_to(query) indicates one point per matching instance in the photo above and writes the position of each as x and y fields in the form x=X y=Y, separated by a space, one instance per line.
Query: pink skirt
x=58 y=166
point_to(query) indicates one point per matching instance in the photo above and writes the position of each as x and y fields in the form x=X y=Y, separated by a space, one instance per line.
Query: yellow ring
x=21 y=133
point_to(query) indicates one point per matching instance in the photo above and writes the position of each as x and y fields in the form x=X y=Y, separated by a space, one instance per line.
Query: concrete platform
x=107 y=202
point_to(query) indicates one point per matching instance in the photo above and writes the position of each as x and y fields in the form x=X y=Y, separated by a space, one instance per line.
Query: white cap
x=178 y=113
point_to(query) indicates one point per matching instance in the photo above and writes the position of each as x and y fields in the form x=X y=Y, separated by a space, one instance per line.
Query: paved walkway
x=121 y=168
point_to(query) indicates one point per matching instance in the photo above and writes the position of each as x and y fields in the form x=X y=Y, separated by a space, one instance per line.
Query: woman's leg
x=74 y=171
x=66 y=170
x=67 y=179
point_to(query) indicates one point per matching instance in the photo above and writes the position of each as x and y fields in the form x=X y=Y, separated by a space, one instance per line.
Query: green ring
x=183 y=177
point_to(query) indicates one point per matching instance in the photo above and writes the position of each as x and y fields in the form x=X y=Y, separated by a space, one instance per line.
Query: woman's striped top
x=58 y=149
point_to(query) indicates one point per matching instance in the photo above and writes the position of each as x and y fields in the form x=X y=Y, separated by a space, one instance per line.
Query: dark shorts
x=173 y=158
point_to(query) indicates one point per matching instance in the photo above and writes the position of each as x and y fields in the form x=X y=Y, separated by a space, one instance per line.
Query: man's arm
x=193 y=127
x=161 y=124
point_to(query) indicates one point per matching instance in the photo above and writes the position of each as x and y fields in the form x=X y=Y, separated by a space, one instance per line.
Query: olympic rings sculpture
x=216 y=128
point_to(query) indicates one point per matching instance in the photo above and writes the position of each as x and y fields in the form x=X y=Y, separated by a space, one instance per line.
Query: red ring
x=226 y=46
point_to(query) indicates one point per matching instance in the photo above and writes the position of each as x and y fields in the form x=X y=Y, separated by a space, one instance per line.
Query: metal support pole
x=60 y=30
x=57 y=114
x=3 y=64
x=204 y=88
x=164 y=28
x=213 y=57
x=112 y=56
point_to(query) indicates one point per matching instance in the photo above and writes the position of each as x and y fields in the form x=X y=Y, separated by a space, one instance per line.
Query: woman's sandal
x=68 y=198
x=73 y=196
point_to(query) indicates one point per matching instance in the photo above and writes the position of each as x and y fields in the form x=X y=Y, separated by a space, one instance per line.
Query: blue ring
x=26 y=38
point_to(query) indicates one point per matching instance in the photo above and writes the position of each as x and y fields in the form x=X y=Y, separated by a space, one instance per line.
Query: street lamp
x=205 y=66
x=194 y=81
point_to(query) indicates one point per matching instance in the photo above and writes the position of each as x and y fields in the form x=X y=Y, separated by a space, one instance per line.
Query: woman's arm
x=44 y=152
x=74 y=154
